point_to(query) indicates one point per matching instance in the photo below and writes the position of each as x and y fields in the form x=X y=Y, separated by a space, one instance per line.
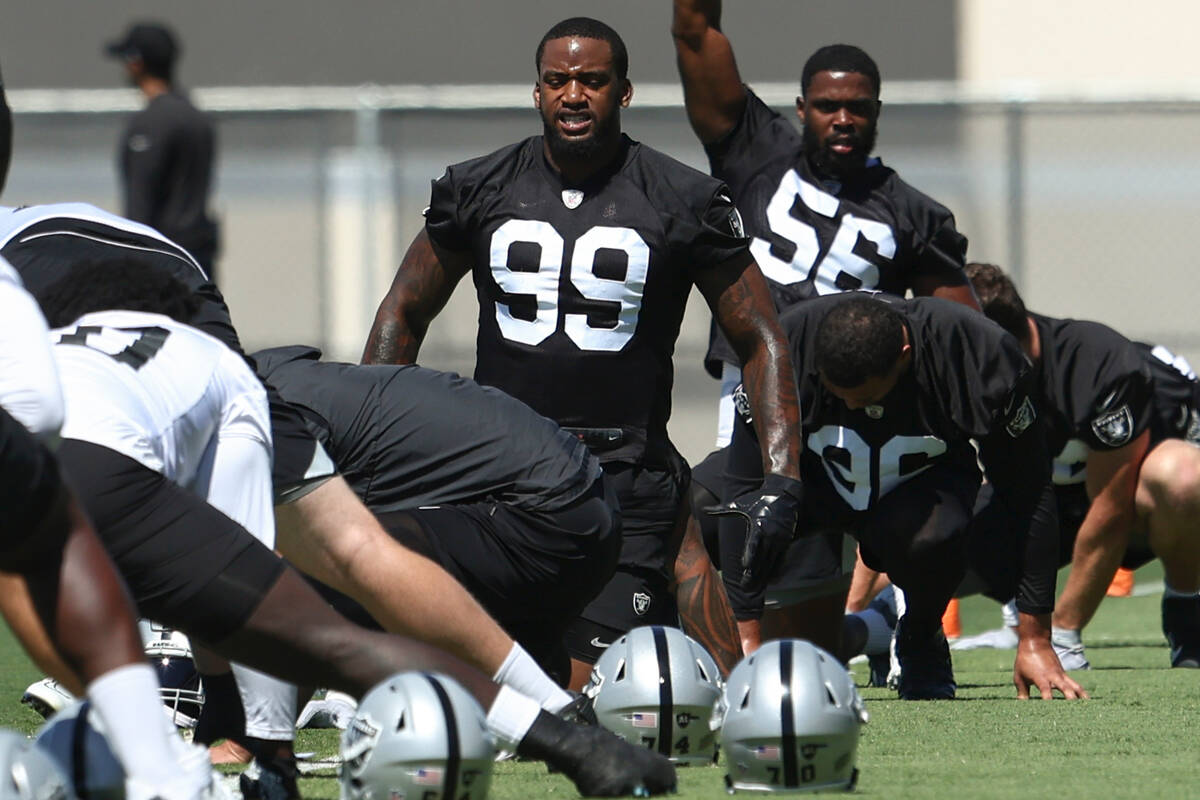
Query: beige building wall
x=1079 y=42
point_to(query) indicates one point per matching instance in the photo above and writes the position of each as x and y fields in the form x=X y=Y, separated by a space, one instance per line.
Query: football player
x=161 y=417
x=824 y=215
x=58 y=588
x=1123 y=428
x=583 y=245
x=512 y=506
x=892 y=394
x=322 y=528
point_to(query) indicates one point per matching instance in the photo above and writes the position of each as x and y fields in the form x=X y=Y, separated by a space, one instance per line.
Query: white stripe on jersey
x=174 y=399
x=29 y=386
x=15 y=220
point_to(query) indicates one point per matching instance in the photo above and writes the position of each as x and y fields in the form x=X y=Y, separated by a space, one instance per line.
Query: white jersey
x=29 y=387
x=177 y=401
x=14 y=221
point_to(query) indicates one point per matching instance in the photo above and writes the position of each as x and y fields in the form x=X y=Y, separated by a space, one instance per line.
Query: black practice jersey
x=1176 y=395
x=968 y=380
x=45 y=242
x=582 y=288
x=1100 y=391
x=1095 y=389
x=814 y=236
x=405 y=437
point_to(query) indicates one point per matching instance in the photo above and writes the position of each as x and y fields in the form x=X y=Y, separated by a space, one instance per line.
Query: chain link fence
x=1086 y=199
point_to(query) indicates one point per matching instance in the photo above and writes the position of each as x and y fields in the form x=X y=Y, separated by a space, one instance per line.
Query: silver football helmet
x=170 y=655
x=656 y=687
x=74 y=738
x=29 y=773
x=790 y=717
x=420 y=735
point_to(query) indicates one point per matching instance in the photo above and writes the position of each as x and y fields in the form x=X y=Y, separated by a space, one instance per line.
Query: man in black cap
x=166 y=152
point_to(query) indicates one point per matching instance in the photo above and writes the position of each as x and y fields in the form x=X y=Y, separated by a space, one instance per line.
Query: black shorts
x=29 y=484
x=187 y=565
x=651 y=498
x=916 y=534
x=995 y=554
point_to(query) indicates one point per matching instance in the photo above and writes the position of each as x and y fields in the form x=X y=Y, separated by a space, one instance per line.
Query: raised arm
x=741 y=304
x=423 y=283
x=712 y=88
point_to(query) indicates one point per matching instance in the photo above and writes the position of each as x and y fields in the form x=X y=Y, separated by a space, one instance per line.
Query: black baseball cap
x=150 y=42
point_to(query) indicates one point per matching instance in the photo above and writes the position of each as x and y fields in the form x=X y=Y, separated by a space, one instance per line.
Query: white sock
x=1008 y=612
x=522 y=673
x=1169 y=592
x=879 y=633
x=269 y=704
x=511 y=716
x=139 y=733
x=1066 y=637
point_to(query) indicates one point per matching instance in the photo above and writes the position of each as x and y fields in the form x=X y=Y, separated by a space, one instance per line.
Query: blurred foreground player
x=58 y=588
x=1123 y=428
x=892 y=394
x=322 y=528
x=824 y=216
x=583 y=245
x=154 y=406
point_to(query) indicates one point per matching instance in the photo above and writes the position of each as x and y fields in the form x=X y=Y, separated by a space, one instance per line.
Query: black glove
x=772 y=516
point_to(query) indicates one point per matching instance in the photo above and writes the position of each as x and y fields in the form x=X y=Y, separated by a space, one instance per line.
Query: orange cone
x=1122 y=583
x=951 y=623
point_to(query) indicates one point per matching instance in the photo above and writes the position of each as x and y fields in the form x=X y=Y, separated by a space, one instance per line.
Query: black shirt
x=814 y=236
x=1100 y=391
x=405 y=436
x=582 y=288
x=968 y=380
x=166 y=163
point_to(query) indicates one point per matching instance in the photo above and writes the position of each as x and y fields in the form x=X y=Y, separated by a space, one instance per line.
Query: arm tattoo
x=703 y=606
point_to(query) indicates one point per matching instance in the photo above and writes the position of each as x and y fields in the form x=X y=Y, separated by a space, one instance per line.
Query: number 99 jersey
x=582 y=288
x=815 y=236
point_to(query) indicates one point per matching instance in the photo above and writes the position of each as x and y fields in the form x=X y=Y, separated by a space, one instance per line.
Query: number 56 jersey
x=814 y=236
x=582 y=288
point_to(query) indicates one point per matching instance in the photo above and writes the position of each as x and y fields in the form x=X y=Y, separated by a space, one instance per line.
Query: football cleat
x=270 y=779
x=335 y=710
x=998 y=639
x=926 y=671
x=47 y=697
x=1181 y=626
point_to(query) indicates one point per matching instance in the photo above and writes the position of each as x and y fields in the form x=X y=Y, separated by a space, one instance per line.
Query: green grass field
x=1136 y=737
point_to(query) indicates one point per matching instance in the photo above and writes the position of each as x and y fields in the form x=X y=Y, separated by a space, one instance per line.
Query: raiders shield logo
x=572 y=198
x=810 y=750
x=741 y=404
x=1114 y=428
x=683 y=719
x=641 y=603
x=1020 y=421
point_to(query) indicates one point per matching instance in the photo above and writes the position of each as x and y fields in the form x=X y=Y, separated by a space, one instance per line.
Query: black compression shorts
x=187 y=565
x=29 y=483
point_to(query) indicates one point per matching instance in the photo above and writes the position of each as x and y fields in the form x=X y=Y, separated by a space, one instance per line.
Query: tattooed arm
x=423 y=283
x=741 y=303
x=703 y=605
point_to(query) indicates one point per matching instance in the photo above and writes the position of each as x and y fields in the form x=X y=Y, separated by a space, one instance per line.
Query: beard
x=837 y=165
x=583 y=149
